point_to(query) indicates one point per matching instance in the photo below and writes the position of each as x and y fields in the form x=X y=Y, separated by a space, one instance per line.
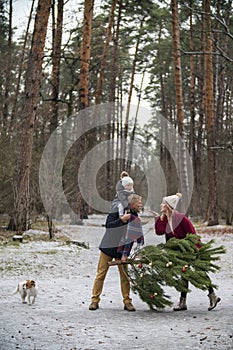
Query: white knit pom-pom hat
x=127 y=180
x=173 y=200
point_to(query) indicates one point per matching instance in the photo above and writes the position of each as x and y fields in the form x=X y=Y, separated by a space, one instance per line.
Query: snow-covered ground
x=60 y=319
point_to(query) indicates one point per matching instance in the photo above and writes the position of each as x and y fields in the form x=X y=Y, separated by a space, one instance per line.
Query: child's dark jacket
x=115 y=231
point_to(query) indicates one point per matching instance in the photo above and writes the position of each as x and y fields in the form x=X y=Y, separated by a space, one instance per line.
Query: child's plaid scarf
x=134 y=233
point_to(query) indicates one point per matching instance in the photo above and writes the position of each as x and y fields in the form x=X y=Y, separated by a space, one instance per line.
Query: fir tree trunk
x=165 y=157
x=192 y=91
x=112 y=169
x=85 y=55
x=14 y=108
x=99 y=87
x=100 y=81
x=198 y=176
x=57 y=21
x=132 y=136
x=184 y=185
x=82 y=146
x=5 y=112
x=115 y=57
x=123 y=156
x=32 y=85
x=56 y=62
x=209 y=114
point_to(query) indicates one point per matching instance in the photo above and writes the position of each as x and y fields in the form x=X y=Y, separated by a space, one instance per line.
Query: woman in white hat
x=172 y=223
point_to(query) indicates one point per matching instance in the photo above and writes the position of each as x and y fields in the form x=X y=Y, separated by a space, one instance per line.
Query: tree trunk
x=99 y=87
x=130 y=95
x=32 y=86
x=192 y=91
x=82 y=146
x=223 y=127
x=112 y=170
x=165 y=156
x=132 y=136
x=192 y=143
x=56 y=62
x=105 y=54
x=184 y=185
x=85 y=55
x=14 y=108
x=198 y=170
x=115 y=58
x=212 y=214
x=5 y=112
x=57 y=21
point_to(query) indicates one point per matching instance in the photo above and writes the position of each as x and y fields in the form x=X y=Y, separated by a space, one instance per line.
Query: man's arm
x=113 y=220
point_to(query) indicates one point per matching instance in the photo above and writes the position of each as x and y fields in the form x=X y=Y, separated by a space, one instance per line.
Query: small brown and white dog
x=26 y=289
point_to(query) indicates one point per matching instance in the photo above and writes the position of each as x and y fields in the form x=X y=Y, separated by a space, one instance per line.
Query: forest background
x=74 y=56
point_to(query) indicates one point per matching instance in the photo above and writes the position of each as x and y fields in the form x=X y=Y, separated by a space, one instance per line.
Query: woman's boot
x=213 y=300
x=182 y=305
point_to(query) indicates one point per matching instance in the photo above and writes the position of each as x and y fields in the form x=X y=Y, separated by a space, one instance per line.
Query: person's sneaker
x=93 y=306
x=129 y=307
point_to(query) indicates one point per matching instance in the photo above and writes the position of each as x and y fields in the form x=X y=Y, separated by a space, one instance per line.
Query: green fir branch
x=171 y=264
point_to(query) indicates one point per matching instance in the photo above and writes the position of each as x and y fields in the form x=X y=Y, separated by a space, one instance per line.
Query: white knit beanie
x=173 y=200
x=126 y=181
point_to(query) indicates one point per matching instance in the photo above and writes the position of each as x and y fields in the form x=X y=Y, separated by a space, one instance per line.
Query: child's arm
x=126 y=252
x=121 y=209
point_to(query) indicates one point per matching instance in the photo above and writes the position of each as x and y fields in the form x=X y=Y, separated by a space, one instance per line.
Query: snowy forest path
x=60 y=318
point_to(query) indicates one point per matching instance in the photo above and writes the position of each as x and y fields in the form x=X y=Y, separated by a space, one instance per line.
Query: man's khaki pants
x=102 y=270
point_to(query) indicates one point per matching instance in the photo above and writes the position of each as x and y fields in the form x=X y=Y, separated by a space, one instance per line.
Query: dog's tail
x=16 y=290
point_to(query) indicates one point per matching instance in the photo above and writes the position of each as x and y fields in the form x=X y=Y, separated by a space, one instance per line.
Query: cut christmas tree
x=172 y=264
